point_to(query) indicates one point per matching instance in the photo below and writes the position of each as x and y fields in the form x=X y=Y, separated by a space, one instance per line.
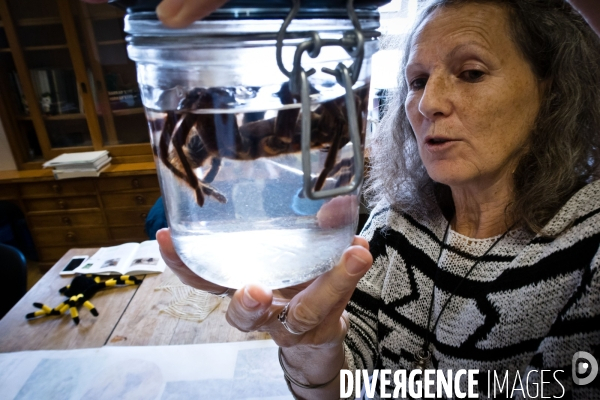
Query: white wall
x=7 y=162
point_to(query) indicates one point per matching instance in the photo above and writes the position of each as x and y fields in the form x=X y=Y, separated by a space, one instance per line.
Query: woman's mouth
x=438 y=143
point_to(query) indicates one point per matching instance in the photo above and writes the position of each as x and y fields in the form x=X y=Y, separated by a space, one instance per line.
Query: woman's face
x=472 y=98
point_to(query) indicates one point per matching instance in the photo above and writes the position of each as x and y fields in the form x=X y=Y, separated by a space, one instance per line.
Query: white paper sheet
x=223 y=371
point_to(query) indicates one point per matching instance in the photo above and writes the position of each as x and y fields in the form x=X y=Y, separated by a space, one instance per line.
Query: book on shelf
x=125 y=259
x=15 y=83
x=79 y=165
x=122 y=92
x=82 y=160
x=97 y=165
x=56 y=90
x=126 y=98
x=79 y=173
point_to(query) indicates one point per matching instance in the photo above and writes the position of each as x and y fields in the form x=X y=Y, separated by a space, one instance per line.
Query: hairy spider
x=189 y=140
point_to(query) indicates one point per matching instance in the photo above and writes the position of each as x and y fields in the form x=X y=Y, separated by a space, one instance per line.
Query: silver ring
x=282 y=317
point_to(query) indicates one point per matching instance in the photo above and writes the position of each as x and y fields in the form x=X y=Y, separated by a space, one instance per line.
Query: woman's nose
x=435 y=102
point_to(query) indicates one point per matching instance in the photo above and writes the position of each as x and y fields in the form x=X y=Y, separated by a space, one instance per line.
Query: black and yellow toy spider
x=79 y=292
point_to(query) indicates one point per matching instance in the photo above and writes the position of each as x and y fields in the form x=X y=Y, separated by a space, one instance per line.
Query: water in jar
x=248 y=219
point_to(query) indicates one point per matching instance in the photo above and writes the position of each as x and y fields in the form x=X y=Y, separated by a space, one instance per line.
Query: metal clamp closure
x=353 y=43
x=342 y=74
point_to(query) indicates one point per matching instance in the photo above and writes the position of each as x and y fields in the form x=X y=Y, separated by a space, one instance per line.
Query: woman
x=482 y=249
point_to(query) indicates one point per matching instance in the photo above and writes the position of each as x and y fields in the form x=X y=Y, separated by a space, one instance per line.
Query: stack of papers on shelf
x=77 y=165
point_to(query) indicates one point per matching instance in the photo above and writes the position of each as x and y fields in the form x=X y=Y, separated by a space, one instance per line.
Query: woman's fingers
x=173 y=261
x=181 y=13
x=360 y=241
x=250 y=308
x=253 y=307
x=330 y=293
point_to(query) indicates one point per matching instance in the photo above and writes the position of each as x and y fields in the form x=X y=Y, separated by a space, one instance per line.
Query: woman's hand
x=317 y=304
x=163 y=236
x=316 y=309
x=315 y=313
x=180 y=13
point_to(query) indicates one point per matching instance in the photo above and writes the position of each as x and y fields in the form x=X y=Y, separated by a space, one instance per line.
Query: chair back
x=13 y=268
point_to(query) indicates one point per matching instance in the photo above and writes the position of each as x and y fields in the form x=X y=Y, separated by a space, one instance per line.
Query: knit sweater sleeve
x=361 y=344
x=577 y=328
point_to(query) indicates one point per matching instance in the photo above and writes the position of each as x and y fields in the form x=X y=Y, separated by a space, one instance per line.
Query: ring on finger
x=282 y=317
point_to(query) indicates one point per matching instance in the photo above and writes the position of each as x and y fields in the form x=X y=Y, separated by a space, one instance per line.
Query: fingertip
x=260 y=293
x=167 y=249
x=163 y=233
x=168 y=10
x=163 y=237
x=357 y=260
x=254 y=296
x=360 y=241
x=181 y=13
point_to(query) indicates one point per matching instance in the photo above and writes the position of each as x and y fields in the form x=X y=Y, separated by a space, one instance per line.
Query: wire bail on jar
x=353 y=42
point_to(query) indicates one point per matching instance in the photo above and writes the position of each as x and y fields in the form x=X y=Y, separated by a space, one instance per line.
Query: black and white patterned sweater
x=530 y=303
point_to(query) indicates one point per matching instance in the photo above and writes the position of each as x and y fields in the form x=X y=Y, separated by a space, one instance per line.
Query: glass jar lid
x=265 y=9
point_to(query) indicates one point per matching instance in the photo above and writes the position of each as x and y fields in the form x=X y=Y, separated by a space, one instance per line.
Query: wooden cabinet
x=66 y=83
x=86 y=212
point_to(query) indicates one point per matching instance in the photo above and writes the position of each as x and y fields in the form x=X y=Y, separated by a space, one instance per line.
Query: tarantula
x=189 y=140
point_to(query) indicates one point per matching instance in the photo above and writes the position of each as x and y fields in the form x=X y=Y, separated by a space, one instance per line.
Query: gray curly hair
x=564 y=147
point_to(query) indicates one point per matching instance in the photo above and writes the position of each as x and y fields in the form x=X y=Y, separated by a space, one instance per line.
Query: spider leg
x=87 y=304
x=216 y=134
x=182 y=130
x=220 y=135
x=334 y=118
x=346 y=166
x=44 y=311
x=61 y=308
x=129 y=280
x=165 y=140
x=215 y=166
x=163 y=144
x=198 y=149
x=347 y=163
x=329 y=161
x=64 y=289
x=73 y=308
x=286 y=120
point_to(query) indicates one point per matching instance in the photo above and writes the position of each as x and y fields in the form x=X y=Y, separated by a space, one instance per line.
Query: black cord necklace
x=423 y=356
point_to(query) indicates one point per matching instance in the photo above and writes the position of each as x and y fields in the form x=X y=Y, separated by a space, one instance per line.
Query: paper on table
x=224 y=371
x=125 y=259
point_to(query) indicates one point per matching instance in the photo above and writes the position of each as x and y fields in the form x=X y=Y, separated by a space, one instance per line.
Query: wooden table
x=129 y=316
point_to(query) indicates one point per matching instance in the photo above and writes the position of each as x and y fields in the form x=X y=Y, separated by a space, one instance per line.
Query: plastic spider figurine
x=79 y=292
x=189 y=140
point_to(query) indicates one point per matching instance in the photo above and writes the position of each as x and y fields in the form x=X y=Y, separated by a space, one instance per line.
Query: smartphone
x=74 y=263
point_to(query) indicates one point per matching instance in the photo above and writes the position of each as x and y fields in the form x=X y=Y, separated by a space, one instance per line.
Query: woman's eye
x=472 y=75
x=417 y=84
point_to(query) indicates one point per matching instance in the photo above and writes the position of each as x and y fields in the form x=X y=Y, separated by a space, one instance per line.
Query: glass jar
x=257 y=118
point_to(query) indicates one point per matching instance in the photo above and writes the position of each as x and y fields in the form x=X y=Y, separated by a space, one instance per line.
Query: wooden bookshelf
x=47 y=46
x=128 y=111
x=87 y=40
x=111 y=42
x=44 y=48
x=38 y=21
